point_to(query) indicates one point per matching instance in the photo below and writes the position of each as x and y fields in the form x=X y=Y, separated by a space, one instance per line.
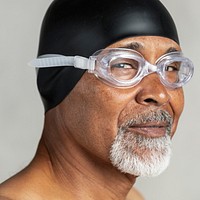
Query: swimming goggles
x=121 y=67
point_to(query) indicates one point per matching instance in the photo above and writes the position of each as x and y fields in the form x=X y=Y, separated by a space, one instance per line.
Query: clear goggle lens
x=126 y=68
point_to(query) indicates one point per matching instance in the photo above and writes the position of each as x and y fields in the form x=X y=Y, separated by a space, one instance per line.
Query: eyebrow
x=133 y=45
x=171 y=49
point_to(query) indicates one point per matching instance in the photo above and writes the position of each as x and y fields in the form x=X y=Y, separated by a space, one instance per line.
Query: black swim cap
x=81 y=27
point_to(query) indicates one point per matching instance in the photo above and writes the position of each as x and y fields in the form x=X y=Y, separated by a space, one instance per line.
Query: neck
x=78 y=173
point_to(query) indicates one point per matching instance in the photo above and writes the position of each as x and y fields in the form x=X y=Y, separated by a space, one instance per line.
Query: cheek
x=99 y=124
x=94 y=113
x=177 y=104
x=102 y=103
x=102 y=112
x=177 y=101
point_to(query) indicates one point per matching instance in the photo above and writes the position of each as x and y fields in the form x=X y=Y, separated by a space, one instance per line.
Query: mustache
x=158 y=116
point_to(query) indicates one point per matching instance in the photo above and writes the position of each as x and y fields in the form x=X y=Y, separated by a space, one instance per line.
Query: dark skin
x=72 y=161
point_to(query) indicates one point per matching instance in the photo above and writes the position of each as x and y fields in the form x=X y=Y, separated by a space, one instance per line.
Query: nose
x=152 y=91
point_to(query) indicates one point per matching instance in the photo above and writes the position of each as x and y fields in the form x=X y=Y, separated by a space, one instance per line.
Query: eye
x=122 y=65
x=123 y=68
x=173 y=67
x=172 y=72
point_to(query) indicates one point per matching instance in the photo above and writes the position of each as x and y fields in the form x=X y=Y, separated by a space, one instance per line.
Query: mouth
x=152 y=130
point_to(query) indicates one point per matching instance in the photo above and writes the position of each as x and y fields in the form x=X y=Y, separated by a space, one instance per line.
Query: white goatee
x=139 y=155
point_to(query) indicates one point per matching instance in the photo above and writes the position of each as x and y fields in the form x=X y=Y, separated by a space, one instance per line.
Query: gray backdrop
x=21 y=110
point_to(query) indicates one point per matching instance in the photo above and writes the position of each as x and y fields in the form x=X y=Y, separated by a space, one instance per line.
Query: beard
x=138 y=155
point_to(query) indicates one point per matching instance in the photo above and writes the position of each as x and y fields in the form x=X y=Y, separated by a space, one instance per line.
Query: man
x=110 y=74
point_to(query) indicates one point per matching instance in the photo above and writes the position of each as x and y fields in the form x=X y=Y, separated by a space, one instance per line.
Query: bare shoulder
x=134 y=194
x=4 y=198
x=3 y=195
x=6 y=191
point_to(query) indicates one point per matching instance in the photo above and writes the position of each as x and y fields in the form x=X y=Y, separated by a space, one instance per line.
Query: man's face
x=132 y=127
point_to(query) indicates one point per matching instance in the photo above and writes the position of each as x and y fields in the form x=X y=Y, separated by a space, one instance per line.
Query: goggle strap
x=54 y=60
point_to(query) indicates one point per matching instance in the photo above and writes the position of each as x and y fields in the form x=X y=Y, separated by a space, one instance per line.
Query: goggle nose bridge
x=150 y=68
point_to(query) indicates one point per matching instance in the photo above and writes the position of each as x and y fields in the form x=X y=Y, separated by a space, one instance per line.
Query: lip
x=153 y=130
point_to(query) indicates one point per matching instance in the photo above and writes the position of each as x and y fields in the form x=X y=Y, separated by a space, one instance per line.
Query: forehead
x=148 y=44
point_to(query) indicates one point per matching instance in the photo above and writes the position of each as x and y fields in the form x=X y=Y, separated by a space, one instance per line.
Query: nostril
x=151 y=92
x=149 y=100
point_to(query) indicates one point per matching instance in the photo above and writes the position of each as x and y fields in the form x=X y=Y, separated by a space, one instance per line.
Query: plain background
x=21 y=110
